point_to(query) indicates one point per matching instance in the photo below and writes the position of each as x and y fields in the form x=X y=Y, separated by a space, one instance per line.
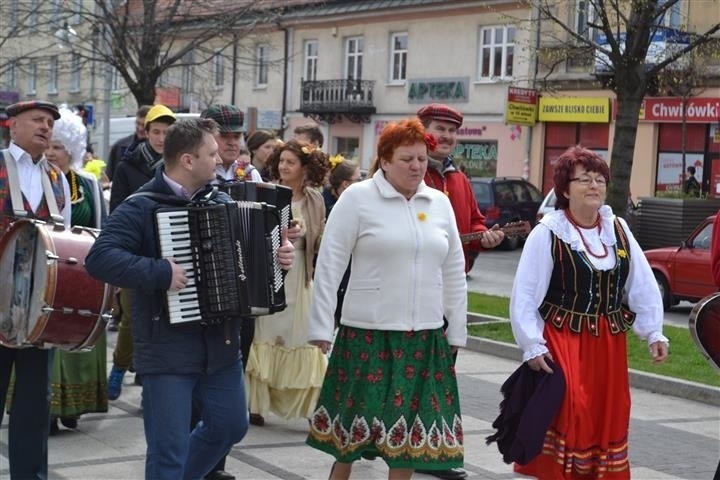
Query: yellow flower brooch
x=421 y=216
x=622 y=253
x=239 y=172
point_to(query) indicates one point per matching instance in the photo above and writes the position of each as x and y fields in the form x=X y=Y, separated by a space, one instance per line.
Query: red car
x=683 y=273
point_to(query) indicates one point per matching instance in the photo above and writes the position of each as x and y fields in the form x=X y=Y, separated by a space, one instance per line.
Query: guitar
x=705 y=328
x=512 y=229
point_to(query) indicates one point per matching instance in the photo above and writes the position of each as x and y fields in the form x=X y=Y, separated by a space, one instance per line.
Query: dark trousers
x=29 y=409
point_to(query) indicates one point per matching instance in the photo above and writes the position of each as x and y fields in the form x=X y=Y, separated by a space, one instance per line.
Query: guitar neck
x=510 y=230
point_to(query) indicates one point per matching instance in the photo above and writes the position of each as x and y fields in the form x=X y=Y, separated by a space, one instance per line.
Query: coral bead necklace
x=577 y=227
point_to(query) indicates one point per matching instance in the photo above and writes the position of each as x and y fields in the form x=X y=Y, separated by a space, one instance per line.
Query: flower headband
x=336 y=160
x=307 y=150
x=431 y=142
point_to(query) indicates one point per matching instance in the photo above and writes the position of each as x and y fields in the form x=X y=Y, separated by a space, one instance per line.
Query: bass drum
x=705 y=328
x=51 y=301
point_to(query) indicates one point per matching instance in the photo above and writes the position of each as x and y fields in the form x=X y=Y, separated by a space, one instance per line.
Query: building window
x=53 y=82
x=497 y=51
x=33 y=15
x=673 y=17
x=348 y=147
x=398 y=57
x=77 y=9
x=218 y=70
x=311 y=59
x=353 y=57
x=116 y=81
x=584 y=15
x=32 y=78
x=75 y=73
x=11 y=74
x=164 y=80
x=14 y=13
x=55 y=12
x=186 y=81
x=262 y=57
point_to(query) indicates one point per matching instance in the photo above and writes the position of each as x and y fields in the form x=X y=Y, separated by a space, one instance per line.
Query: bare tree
x=143 y=39
x=21 y=19
x=628 y=27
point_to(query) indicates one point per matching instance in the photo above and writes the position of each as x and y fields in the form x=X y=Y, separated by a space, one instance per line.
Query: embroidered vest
x=580 y=295
x=42 y=212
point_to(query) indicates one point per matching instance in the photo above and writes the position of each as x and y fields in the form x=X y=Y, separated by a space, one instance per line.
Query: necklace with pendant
x=597 y=225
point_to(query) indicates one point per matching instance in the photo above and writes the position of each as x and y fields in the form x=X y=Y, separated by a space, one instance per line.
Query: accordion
x=229 y=252
x=278 y=195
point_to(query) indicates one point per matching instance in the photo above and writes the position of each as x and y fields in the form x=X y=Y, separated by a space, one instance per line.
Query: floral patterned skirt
x=392 y=394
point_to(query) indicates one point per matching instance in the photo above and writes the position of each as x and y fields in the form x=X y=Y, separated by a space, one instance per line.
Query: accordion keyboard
x=199 y=240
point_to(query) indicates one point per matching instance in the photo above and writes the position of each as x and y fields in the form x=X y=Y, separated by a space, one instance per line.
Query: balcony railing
x=330 y=100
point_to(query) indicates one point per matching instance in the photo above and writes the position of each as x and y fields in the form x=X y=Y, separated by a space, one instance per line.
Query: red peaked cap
x=440 y=112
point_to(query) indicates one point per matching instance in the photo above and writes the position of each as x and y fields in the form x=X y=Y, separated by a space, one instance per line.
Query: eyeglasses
x=586 y=181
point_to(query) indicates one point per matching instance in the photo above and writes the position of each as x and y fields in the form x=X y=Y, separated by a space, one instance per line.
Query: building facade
x=352 y=67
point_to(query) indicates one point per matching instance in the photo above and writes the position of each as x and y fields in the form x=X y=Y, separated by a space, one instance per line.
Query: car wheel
x=510 y=243
x=664 y=290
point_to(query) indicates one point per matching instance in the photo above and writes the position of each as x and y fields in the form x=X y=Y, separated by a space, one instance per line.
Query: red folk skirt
x=589 y=437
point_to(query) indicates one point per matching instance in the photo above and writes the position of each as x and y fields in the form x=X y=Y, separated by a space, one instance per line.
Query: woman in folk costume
x=284 y=373
x=79 y=381
x=581 y=284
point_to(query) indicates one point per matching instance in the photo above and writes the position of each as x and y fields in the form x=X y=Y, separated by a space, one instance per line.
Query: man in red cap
x=443 y=122
x=442 y=174
x=22 y=168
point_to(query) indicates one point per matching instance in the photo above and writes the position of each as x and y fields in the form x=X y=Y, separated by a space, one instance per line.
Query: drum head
x=22 y=261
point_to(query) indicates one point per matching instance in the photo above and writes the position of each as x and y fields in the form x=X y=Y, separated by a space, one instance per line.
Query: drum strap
x=16 y=195
x=14 y=187
x=50 y=198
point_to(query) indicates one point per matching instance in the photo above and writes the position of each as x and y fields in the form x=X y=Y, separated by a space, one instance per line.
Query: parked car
x=506 y=199
x=547 y=205
x=683 y=273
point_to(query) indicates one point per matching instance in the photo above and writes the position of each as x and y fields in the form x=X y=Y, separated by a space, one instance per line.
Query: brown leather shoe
x=257 y=419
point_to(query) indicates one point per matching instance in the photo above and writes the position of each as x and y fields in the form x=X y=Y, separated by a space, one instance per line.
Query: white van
x=120 y=127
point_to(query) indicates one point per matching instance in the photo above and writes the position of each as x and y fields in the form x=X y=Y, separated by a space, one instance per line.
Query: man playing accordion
x=179 y=363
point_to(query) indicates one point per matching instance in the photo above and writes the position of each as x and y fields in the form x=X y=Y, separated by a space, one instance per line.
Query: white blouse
x=532 y=279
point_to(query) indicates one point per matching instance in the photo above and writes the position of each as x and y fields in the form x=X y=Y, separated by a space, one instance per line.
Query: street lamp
x=66 y=35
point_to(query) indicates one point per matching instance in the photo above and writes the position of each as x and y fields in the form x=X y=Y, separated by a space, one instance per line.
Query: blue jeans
x=29 y=411
x=173 y=452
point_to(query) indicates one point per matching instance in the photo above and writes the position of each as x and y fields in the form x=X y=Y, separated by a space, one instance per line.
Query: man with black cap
x=24 y=169
x=442 y=174
x=229 y=139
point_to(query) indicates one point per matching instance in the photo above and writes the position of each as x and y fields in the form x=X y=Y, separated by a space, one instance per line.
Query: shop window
x=347 y=147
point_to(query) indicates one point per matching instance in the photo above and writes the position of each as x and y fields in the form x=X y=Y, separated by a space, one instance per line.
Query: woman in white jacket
x=390 y=388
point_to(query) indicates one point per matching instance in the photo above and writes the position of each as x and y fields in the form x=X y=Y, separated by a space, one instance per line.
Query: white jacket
x=407 y=263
